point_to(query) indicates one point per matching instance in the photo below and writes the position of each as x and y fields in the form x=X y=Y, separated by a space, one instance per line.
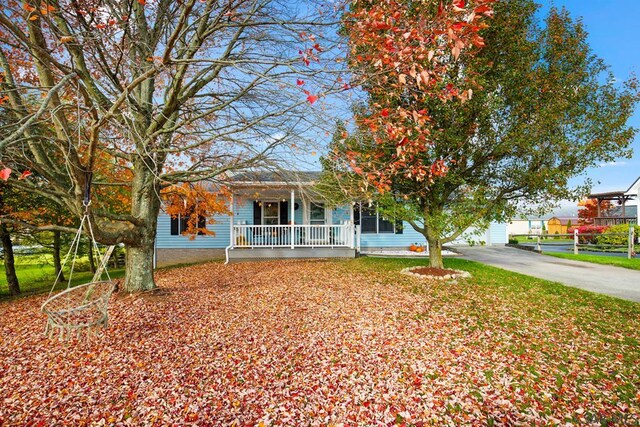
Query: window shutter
x=284 y=213
x=356 y=214
x=257 y=213
x=174 y=225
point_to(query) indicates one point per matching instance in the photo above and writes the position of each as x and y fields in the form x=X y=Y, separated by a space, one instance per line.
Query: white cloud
x=612 y=164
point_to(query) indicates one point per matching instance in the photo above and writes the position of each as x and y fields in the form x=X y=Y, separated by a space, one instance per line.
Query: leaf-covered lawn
x=322 y=343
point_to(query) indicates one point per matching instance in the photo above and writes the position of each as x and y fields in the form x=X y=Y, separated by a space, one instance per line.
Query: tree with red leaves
x=589 y=210
x=473 y=109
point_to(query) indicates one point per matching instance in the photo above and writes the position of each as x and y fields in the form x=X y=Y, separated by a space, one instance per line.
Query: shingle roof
x=292 y=177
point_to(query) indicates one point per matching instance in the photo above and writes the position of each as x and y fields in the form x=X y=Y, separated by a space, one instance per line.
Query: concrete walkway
x=614 y=281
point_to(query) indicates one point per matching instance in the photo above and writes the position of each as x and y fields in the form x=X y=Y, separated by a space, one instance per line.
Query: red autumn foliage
x=198 y=202
x=589 y=210
x=588 y=233
x=401 y=53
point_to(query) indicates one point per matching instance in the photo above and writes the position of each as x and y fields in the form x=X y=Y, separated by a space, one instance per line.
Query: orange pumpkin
x=413 y=247
x=420 y=249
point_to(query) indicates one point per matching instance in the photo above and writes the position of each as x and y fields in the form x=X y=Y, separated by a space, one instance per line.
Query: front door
x=270 y=213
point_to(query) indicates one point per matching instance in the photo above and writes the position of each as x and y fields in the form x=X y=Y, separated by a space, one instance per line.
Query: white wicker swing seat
x=80 y=307
x=83 y=307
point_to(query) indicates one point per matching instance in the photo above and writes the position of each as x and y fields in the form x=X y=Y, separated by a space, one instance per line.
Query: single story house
x=278 y=215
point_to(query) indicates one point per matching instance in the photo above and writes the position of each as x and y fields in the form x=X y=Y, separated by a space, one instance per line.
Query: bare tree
x=128 y=97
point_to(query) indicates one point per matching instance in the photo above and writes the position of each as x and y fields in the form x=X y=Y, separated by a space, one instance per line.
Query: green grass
x=530 y=290
x=633 y=263
x=36 y=275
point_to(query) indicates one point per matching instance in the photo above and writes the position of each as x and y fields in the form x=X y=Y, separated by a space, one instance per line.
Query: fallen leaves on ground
x=318 y=344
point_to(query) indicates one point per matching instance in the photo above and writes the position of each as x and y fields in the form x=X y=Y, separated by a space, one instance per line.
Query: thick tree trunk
x=9 y=261
x=146 y=207
x=57 y=264
x=435 y=252
x=432 y=233
x=139 y=269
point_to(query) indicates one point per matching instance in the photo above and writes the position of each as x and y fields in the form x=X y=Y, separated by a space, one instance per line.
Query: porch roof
x=261 y=179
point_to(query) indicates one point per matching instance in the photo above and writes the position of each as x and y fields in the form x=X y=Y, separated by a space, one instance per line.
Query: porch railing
x=607 y=221
x=302 y=235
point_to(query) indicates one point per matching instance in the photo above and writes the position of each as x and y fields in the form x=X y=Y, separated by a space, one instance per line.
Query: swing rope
x=83 y=306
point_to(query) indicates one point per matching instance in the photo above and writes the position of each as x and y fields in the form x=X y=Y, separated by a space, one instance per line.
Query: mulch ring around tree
x=433 y=273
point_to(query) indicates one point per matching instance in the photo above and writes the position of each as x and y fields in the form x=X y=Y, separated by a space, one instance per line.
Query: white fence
x=585 y=241
x=307 y=236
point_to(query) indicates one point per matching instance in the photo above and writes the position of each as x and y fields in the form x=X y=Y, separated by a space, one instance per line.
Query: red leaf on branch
x=459 y=4
x=25 y=174
x=384 y=112
x=299 y=82
x=4 y=173
x=312 y=99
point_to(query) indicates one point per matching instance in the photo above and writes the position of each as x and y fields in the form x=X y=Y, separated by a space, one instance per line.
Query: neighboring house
x=623 y=213
x=279 y=215
x=522 y=225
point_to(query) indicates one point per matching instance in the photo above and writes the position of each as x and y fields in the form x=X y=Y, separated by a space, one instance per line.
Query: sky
x=614 y=35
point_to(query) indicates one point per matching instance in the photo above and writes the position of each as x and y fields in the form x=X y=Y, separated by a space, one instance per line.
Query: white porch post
x=231 y=220
x=293 y=214
x=352 y=227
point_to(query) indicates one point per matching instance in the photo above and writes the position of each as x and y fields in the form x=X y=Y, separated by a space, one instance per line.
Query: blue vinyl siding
x=341 y=214
x=387 y=240
x=495 y=235
x=243 y=214
x=220 y=239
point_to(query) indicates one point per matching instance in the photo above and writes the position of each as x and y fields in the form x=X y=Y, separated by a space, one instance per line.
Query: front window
x=371 y=222
x=316 y=214
x=180 y=224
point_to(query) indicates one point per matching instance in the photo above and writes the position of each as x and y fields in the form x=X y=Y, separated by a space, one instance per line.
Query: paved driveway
x=615 y=281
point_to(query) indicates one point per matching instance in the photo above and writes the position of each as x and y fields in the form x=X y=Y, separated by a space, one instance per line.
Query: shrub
x=616 y=235
x=592 y=232
x=513 y=241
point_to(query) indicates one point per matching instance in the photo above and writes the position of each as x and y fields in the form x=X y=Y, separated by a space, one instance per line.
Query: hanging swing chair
x=83 y=307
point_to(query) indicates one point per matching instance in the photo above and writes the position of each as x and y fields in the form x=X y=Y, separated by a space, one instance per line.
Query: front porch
x=271 y=220
x=251 y=242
